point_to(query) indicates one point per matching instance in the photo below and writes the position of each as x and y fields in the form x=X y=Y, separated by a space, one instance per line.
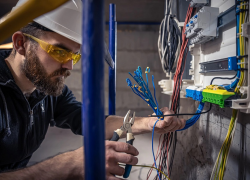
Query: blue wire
x=234 y=84
x=154 y=91
x=145 y=94
x=194 y=119
x=153 y=148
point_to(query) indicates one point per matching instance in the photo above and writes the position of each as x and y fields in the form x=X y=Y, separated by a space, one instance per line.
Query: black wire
x=222 y=78
x=170 y=40
x=173 y=153
x=183 y=114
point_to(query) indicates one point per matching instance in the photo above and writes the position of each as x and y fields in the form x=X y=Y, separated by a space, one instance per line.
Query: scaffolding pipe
x=24 y=14
x=93 y=125
x=113 y=50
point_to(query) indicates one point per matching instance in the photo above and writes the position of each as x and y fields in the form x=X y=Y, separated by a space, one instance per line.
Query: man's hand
x=119 y=152
x=169 y=124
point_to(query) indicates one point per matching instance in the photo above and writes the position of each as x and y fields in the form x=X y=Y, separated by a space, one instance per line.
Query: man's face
x=42 y=70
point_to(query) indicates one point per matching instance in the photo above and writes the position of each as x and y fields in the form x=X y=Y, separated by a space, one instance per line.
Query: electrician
x=33 y=96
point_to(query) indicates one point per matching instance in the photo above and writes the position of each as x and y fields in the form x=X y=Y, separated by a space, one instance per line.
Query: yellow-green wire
x=150 y=168
x=224 y=151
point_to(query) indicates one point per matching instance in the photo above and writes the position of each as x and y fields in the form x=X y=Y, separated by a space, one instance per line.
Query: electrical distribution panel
x=198 y=3
x=216 y=62
x=203 y=26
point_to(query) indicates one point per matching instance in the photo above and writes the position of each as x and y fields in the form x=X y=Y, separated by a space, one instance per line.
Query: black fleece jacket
x=23 y=124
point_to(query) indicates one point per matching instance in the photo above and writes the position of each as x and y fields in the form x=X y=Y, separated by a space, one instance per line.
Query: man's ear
x=19 y=40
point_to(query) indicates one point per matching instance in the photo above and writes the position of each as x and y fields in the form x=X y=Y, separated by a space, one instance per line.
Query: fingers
x=122 y=147
x=171 y=123
x=126 y=159
x=183 y=123
x=115 y=169
x=169 y=119
x=112 y=177
x=164 y=109
x=119 y=152
x=175 y=125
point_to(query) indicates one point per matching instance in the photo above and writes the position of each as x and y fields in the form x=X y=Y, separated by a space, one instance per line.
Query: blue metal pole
x=93 y=89
x=113 y=50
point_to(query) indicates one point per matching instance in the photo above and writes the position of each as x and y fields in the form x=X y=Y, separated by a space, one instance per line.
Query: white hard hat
x=65 y=20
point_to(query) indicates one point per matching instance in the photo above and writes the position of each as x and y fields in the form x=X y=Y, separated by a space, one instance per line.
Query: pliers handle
x=129 y=138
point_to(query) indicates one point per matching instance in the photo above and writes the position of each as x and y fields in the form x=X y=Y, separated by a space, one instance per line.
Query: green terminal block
x=216 y=95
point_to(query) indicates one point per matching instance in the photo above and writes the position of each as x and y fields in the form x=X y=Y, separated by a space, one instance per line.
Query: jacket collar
x=5 y=74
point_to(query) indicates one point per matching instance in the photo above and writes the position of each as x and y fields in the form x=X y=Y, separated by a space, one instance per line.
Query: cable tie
x=241 y=10
x=243 y=56
x=242 y=63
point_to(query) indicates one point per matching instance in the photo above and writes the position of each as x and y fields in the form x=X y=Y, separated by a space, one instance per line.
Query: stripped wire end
x=141 y=89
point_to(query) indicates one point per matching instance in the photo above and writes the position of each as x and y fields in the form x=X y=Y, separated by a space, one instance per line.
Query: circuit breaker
x=198 y=3
x=202 y=27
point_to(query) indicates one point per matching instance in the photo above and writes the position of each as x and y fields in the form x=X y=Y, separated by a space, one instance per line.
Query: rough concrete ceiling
x=127 y=10
x=137 y=10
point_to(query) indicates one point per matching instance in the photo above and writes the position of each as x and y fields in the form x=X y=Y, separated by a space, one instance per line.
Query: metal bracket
x=225 y=18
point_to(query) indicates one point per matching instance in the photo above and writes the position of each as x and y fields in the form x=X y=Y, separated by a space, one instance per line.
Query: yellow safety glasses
x=59 y=54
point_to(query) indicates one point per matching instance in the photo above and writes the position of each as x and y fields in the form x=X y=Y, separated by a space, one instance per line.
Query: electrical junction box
x=198 y=3
x=218 y=55
x=202 y=27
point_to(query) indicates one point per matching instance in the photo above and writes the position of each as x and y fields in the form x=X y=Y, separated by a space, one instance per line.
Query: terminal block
x=190 y=92
x=195 y=93
x=198 y=3
x=202 y=27
x=216 y=96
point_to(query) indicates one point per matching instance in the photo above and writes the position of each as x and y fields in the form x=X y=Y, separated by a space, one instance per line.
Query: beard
x=36 y=73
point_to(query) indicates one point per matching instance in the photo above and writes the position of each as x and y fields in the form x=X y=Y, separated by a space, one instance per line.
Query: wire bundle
x=170 y=139
x=181 y=65
x=195 y=118
x=169 y=41
x=142 y=90
x=218 y=171
x=221 y=161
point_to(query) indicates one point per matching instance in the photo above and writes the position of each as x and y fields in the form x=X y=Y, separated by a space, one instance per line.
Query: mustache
x=60 y=72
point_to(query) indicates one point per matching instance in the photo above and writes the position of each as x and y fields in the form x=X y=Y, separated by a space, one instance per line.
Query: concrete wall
x=198 y=147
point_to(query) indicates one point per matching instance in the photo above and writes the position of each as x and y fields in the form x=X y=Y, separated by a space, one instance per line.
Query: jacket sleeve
x=68 y=111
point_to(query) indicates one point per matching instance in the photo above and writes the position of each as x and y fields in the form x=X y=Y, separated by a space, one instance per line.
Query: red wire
x=178 y=74
x=167 y=154
x=176 y=93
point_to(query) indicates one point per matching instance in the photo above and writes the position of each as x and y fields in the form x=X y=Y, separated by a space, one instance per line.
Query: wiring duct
x=221 y=161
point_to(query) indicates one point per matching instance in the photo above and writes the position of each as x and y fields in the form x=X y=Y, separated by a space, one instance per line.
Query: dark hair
x=34 y=29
